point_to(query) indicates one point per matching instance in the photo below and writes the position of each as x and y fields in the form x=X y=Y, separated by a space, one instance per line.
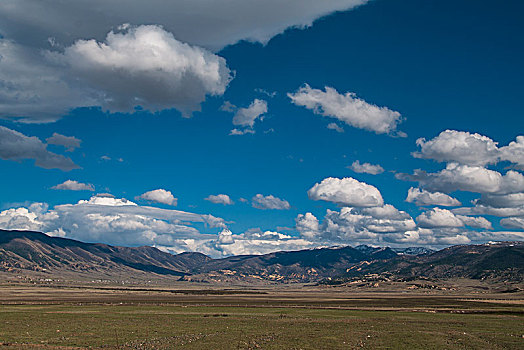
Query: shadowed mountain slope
x=25 y=252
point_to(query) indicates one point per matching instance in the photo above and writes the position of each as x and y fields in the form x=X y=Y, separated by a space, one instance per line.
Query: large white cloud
x=347 y=108
x=134 y=66
x=470 y=149
x=17 y=146
x=159 y=196
x=443 y=218
x=387 y=225
x=469 y=178
x=460 y=147
x=117 y=221
x=438 y=217
x=36 y=89
x=147 y=66
x=426 y=198
x=346 y=191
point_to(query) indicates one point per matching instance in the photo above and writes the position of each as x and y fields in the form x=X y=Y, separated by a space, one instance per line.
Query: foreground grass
x=209 y=327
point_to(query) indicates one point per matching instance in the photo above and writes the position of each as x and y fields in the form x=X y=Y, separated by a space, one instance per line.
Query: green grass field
x=143 y=321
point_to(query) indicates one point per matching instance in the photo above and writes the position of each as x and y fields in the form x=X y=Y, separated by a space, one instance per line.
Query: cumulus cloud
x=308 y=226
x=366 y=168
x=117 y=221
x=470 y=149
x=245 y=117
x=355 y=225
x=468 y=178
x=514 y=152
x=73 y=185
x=459 y=147
x=17 y=146
x=502 y=201
x=387 y=225
x=426 y=198
x=346 y=191
x=517 y=223
x=438 y=217
x=260 y=201
x=147 y=66
x=219 y=199
x=347 y=108
x=37 y=89
x=443 y=218
x=69 y=142
x=476 y=222
x=480 y=209
x=136 y=66
x=159 y=196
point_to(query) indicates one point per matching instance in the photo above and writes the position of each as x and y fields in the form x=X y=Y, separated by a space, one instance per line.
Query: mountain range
x=25 y=253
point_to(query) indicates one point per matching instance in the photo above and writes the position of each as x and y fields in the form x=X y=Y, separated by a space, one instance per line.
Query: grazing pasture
x=38 y=317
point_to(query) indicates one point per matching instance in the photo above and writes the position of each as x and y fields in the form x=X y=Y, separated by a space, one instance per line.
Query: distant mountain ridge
x=24 y=252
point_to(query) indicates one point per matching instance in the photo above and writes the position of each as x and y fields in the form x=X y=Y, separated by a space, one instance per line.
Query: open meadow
x=293 y=317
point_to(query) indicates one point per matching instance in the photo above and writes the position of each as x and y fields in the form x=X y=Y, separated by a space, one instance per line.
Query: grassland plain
x=294 y=317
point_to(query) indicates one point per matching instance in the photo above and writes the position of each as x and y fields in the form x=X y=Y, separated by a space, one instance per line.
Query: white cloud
x=19 y=219
x=226 y=237
x=246 y=117
x=346 y=191
x=502 y=201
x=73 y=185
x=159 y=196
x=517 y=223
x=386 y=211
x=514 y=152
x=469 y=178
x=480 y=209
x=308 y=226
x=425 y=198
x=476 y=222
x=443 y=218
x=470 y=149
x=69 y=142
x=219 y=199
x=366 y=168
x=336 y=127
x=460 y=147
x=117 y=221
x=347 y=108
x=147 y=66
x=39 y=91
x=260 y=201
x=17 y=146
x=353 y=225
x=438 y=217
x=237 y=132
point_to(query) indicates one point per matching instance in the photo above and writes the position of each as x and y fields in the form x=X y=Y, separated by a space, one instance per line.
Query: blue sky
x=437 y=65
